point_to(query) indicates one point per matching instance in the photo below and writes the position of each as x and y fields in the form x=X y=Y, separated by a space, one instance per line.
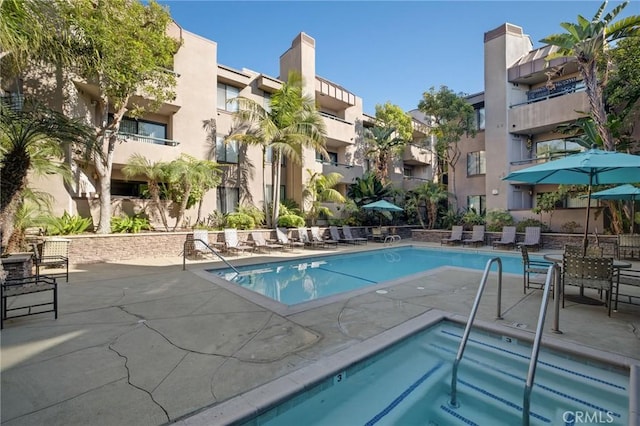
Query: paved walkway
x=144 y=342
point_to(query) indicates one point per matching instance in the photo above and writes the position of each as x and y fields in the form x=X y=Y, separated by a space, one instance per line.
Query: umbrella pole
x=586 y=225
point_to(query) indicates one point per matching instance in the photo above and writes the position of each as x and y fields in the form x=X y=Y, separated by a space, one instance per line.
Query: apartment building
x=204 y=88
x=524 y=101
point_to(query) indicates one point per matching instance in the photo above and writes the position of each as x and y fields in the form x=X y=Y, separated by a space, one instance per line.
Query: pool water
x=410 y=383
x=297 y=281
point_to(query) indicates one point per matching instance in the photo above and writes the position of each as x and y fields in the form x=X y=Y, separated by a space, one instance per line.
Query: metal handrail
x=533 y=362
x=465 y=337
x=184 y=254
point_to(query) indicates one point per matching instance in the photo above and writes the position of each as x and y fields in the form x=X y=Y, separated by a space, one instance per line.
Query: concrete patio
x=144 y=342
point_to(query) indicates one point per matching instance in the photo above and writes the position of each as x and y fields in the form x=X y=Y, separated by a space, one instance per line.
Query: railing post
x=557 y=294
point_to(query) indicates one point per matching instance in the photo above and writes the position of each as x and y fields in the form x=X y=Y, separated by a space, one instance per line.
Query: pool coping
x=254 y=402
x=287 y=310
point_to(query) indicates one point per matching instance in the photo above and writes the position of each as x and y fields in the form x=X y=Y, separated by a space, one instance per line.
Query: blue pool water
x=297 y=281
x=409 y=384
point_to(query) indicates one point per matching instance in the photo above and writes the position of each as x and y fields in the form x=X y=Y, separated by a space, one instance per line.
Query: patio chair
x=232 y=242
x=377 y=235
x=283 y=239
x=589 y=272
x=508 y=238
x=477 y=237
x=456 y=236
x=532 y=269
x=315 y=236
x=346 y=230
x=572 y=250
x=303 y=237
x=53 y=253
x=259 y=242
x=532 y=238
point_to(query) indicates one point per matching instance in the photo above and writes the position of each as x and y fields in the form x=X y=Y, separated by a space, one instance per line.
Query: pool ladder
x=211 y=249
x=552 y=274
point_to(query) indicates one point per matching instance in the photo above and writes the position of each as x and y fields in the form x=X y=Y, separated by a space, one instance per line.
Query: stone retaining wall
x=115 y=247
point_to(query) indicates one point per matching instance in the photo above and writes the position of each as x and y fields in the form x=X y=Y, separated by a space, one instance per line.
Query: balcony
x=349 y=172
x=333 y=96
x=154 y=149
x=338 y=129
x=410 y=183
x=416 y=155
x=545 y=112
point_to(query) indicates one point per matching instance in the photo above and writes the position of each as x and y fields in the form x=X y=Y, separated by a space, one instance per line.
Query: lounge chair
x=335 y=235
x=315 y=236
x=283 y=239
x=508 y=238
x=346 y=230
x=232 y=242
x=259 y=242
x=536 y=269
x=532 y=239
x=477 y=237
x=456 y=236
x=303 y=237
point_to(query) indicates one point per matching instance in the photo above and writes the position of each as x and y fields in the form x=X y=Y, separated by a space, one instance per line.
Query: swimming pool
x=303 y=280
x=408 y=383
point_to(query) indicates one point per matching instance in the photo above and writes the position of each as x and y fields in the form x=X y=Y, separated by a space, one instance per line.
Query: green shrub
x=570 y=227
x=66 y=224
x=291 y=221
x=216 y=220
x=449 y=219
x=253 y=211
x=496 y=219
x=129 y=224
x=471 y=218
x=520 y=226
x=240 y=221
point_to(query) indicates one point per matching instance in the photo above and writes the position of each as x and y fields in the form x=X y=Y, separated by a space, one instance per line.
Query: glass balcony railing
x=147 y=139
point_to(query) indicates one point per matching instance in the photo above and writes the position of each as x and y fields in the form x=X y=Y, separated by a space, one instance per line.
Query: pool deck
x=144 y=342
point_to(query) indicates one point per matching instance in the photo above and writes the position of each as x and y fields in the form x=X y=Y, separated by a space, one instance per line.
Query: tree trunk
x=598 y=112
x=183 y=207
x=276 y=188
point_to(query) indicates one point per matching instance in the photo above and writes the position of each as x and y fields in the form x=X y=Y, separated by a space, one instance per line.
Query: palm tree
x=187 y=173
x=367 y=189
x=291 y=124
x=384 y=145
x=155 y=174
x=36 y=134
x=587 y=41
x=320 y=189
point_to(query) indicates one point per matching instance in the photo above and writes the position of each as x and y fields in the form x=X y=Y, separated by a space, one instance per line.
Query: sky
x=379 y=50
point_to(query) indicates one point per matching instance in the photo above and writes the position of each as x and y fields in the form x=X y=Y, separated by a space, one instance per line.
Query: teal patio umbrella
x=591 y=167
x=382 y=206
x=622 y=192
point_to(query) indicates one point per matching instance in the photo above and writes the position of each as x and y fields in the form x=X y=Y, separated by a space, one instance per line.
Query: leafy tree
x=390 y=115
x=291 y=124
x=587 y=41
x=124 y=50
x=547 y=202
x=31 y=138
x=453 y=117
x=320 y=189
x=622 y=92
x=155 y=174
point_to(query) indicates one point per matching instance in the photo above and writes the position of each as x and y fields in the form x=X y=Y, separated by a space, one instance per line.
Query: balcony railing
x=544 y=158
x=148 y=139
x=560 y=88
x=333 y=117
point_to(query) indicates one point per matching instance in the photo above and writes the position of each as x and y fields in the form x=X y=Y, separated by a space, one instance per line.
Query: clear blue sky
x=379 y=50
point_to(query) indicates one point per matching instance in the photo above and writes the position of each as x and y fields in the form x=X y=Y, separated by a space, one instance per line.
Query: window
x=226 y=152
x=227 y=199
x=477 y=203
x=479 y=117
x=333 y=157
x=556 y=148
x=266 y=104
x=407 y=171
x=269 y=193
x=570 y=201
x=225 y=93
x=268 y=155
x=123 y=188
x=143 y=128
x=476 y=163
